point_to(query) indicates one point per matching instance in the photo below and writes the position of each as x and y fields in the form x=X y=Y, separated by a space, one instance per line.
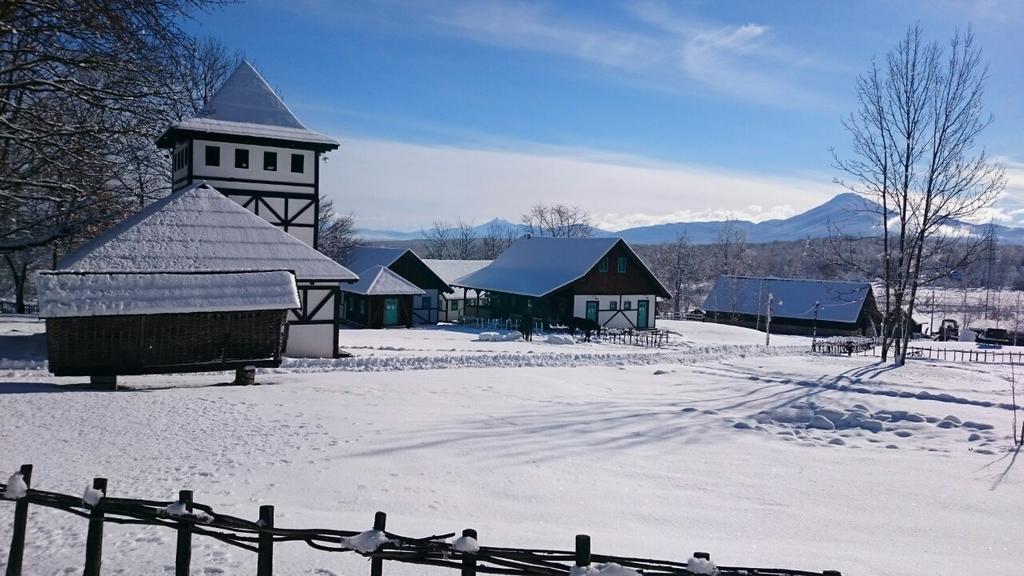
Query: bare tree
x=914 y=140
x=558 y=220
x=495 y=240
x=439 y=240
x=336 y=232
x=464 y=241
x=729 y=249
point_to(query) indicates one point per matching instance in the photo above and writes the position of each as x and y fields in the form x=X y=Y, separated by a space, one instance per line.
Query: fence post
x=380 y=520
x=183 y=557
x=94 y=538
x=265 y=560
x=582 y=550
x=20 y=525
x=469 y=560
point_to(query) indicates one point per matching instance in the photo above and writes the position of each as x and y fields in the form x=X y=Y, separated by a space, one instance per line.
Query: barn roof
x=452 y=270
x=245 y=105
x=793 y=297
x=537 y=266
x=379 y=281
x=200 y=229
x=363 y=257
x=70 y=294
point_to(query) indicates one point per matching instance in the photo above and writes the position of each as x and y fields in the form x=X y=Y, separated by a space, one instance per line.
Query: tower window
x=270 y=161
x=241 y=158
x=298 y=163
x=213 y=155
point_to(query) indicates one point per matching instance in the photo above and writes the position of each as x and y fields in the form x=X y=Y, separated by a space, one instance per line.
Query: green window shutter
x=621 y=265
x=603 y=265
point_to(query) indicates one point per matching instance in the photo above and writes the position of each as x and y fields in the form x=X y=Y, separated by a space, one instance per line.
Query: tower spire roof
x=246 y=106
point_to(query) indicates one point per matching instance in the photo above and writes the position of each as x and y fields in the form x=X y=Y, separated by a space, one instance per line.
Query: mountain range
x=848 y=212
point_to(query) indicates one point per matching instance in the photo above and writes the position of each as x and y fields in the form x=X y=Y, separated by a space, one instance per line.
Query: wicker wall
x=118 y=345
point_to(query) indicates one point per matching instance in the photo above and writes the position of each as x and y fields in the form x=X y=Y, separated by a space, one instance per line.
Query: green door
x=641 y=314
x=592 y=310
x=390 y=311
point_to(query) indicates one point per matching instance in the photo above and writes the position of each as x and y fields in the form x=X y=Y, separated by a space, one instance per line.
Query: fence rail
x=644 y=338
x=980 y=356
x=189 y=518
x=11 y=307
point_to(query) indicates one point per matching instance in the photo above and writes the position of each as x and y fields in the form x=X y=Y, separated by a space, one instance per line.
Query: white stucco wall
x=255 y=170
x=310 y=341
x=425 y=316
x=619 y=318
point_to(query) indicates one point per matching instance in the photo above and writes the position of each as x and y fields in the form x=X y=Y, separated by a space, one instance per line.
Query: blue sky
x=639 y=112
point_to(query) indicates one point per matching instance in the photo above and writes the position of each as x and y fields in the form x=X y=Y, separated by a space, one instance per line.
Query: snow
x=245 y=105
x=365 y=542
x=111 y=294
x=92 y=496
x=16 y=487
x=793 y=298
x=452 y=270
x=380 y=281
x=363 y=257
x=701 y=566
x=503 y=336
x=589 y=440
x=176 y=509
x=537 y=266
x=466 y=545
x=200 y=229
x=560 y=339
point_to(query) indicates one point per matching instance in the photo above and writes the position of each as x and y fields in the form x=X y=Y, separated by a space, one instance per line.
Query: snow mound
x=16 y=487
x=701 y=566
x=92 y=496
x=365 y=542
x=609 y=569
x=509 y=336
x=466 y=545
x=560 y=339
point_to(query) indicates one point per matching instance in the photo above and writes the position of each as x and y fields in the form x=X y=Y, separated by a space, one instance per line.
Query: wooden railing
x=187 y=518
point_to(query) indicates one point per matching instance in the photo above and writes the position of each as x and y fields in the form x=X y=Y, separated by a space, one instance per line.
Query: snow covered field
x=711 y=444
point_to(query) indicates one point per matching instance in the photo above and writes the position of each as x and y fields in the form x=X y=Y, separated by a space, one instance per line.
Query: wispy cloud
x=651 y=44
x=405 y=186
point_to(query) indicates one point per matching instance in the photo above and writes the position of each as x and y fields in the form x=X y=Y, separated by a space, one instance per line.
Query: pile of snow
x=701 y=566
x=506 y=336
x=560 y=339
x=609 y=569
x=466 y=545
x=92 y=496
x=365 y=542
x=16 y=487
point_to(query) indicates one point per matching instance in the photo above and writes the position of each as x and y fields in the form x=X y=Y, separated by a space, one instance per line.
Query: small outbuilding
x=409 y=266
x=798 y=306
x=380 y=299
x=107 y=324
x=198 y=230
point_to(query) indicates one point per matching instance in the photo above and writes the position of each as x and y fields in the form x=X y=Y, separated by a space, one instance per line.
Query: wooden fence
x=984 y=356
x=843 y=347
x=187 y=518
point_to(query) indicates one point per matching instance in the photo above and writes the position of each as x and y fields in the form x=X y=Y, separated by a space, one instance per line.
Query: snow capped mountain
x=848 y=213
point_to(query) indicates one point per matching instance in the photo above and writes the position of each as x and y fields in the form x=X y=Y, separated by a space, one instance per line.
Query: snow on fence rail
x=189 y=518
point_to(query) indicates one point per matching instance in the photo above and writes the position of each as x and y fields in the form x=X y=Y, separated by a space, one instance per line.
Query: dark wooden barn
x=554 y=279
x=799 y=306
x=110 y=324
x=380 y=299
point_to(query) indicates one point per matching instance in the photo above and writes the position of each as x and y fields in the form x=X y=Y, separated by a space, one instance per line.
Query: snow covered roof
x=379 y=281
x=793 y=297
x=245 y=105
x=363 y=257
x=200 y=229
x=63 y=294
x=452 y=270
x=537 y=266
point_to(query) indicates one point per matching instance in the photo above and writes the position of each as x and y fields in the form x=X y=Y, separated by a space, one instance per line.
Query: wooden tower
x=247 y=144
